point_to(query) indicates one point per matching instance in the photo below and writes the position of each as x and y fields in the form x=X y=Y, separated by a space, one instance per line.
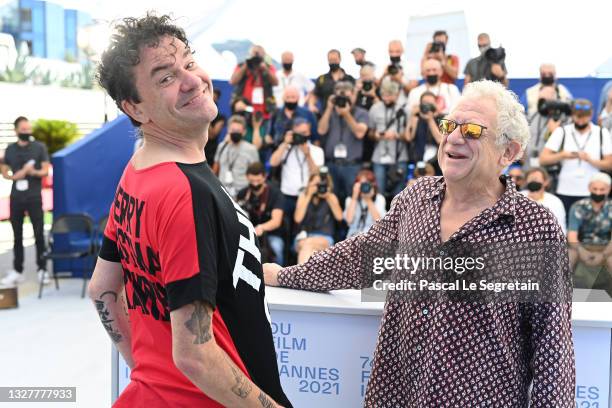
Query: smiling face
x=467 y=161
x=176 y=94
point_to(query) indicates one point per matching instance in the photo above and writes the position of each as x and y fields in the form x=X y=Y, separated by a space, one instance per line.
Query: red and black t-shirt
x=181 y=238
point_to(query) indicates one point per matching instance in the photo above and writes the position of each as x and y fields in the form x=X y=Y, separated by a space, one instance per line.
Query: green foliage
x=56 y=134
x=18 y=73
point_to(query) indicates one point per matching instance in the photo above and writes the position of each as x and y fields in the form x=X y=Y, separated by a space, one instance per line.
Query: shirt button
x=418 y=348
x=425 y=312
x=442 y=253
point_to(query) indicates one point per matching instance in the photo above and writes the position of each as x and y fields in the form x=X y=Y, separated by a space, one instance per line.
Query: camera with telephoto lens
x=322 y=187
x=251 y=204
x=437 y=46
x=254 y=61
x=299 y=139
x=554 y=108
x=366 y=187
x=367 y=86
x=425 y=108
x=420 y=168
x=341 y=101
x=495 y=55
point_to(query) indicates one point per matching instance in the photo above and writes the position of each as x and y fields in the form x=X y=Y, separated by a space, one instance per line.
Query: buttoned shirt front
x=442 y=353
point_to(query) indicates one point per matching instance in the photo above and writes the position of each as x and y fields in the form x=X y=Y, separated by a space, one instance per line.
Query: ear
x=133 y=110
x=512 y=152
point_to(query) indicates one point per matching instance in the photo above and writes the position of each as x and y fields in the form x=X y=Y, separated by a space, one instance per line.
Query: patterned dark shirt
x=592 y=227
x=459 y=354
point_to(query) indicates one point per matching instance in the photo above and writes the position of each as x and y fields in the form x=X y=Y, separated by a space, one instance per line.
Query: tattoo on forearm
x=264 y=400
x=243 y=387
x=199 y=324
x=104 y=314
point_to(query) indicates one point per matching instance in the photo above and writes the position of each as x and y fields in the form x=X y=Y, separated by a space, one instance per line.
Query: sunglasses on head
x=585 y=107
x=468 y=130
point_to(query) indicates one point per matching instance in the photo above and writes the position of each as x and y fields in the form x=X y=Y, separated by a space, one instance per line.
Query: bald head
x=548 y=69
x=287 y=57
x=396 y=49
x=291 y=94
x=257 y=50
x=432 y=66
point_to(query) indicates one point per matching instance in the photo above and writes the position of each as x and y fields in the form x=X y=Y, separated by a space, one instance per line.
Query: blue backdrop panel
x=86 y=174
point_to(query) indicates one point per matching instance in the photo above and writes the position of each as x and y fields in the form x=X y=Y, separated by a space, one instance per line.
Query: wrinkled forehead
x=471 y=110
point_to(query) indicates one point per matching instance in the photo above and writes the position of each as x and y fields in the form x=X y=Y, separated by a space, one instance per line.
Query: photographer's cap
x=358 y=49
x=582 y=106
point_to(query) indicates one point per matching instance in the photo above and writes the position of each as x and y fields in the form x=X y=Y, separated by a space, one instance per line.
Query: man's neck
x=289 y=112
x=160 y=146
x=287 y=73
x=536 y=195
x=464 y=198
x=597 y=206
x=585 y=130
x=23 y=143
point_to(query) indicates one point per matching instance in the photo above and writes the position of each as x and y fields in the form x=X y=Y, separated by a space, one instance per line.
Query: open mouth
x=455 y=156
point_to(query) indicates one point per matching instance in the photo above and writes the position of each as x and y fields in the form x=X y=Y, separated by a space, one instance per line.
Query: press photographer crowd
x=314 y=162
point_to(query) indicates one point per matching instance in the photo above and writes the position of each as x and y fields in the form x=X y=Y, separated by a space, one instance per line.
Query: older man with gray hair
x=446 y=94
x=548 y=77
x=447 y=348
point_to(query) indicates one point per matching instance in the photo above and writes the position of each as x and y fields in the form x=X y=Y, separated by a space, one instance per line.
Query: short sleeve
x=187 y=249
x=318 y=155
x=278 y=201
x=574 y=218
x=555 y=140
x=606 y=143
x=44 y=153
x=362 y=116
x=8 y=157
x=108 y=250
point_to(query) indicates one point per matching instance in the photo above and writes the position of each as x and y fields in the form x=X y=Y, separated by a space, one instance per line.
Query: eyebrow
x=162 y=67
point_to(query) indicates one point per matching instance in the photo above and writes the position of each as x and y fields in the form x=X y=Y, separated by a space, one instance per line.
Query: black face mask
x=334 y=67
x=534 y=186
x=24 y=137
x=291 y=105
x=581 y=127
x=431 y=79
x=255 y=187
x=598 y=198
x=547 y=79
x=287 y=66
x=389 y=104
x=236 y=137
x=395 y=60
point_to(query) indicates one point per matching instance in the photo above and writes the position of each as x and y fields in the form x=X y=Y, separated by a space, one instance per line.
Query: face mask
x=360 y=63
x=598 y=198
x=288 y=66
x=24 y=137
x=255 y=187
x=334 y=67
x=431 y=79
x=291 y=105
x=389 y=104
x=395 y=60
x=257 y=60
x=581 y=127
x=547 y=79
x=236 y=137
x=534 y=186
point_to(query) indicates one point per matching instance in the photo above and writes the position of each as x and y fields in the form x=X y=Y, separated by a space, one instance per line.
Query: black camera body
x=437 y=46
x=341 y=101
x=299 y=139
x=495 y=55
x=554 y=108
x=425 y=108
x=322 y=187
x=367 y=86
x=254 y=61
x=366 y=187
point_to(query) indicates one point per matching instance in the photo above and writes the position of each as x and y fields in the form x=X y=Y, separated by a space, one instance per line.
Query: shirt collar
x=505 y=205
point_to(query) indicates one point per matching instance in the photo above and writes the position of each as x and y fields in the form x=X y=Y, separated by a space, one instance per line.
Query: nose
x=190 y=81
x=455 y=137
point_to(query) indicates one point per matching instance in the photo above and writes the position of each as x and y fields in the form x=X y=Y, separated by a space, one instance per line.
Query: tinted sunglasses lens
x=582 y=107
x=447 y=127
x=471 y=130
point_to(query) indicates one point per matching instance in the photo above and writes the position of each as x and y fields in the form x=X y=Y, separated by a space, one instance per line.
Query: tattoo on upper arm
x=243 y=387
x=199 y=323
x=104 y=314
x=264 y=400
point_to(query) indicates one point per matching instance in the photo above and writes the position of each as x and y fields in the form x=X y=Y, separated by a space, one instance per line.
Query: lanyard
x=362 y=216
x=227 y=156
x=387 y=126
x=581 y=148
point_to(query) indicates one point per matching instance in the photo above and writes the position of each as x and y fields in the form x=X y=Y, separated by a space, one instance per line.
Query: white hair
x=601 y=176
x=510 y=121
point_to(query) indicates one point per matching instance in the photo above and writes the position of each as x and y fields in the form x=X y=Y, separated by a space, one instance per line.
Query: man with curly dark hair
x=179 y=256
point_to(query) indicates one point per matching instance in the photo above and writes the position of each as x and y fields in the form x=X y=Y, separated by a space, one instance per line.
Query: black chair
x=71 y=237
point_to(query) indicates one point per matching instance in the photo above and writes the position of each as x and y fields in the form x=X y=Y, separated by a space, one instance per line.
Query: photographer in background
x=214 y=131
x=437 y=50
x=289 y=77
x=254 y=79
x=264 y=204
x=490 y=64
x=366 y=87
x=317 y=211
x=548 y=78
x=550 y=114
x=605 y=117
x=401 y=71
x=283 y=118
x=387 y=130
x=423 y=132
x=447 y=95
x=537 y=181
x=342 y=129
x=324 y=85
x=366 y=206
x=298 y=159
x=254 y=120
x=582 y=149
x=234 y=156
